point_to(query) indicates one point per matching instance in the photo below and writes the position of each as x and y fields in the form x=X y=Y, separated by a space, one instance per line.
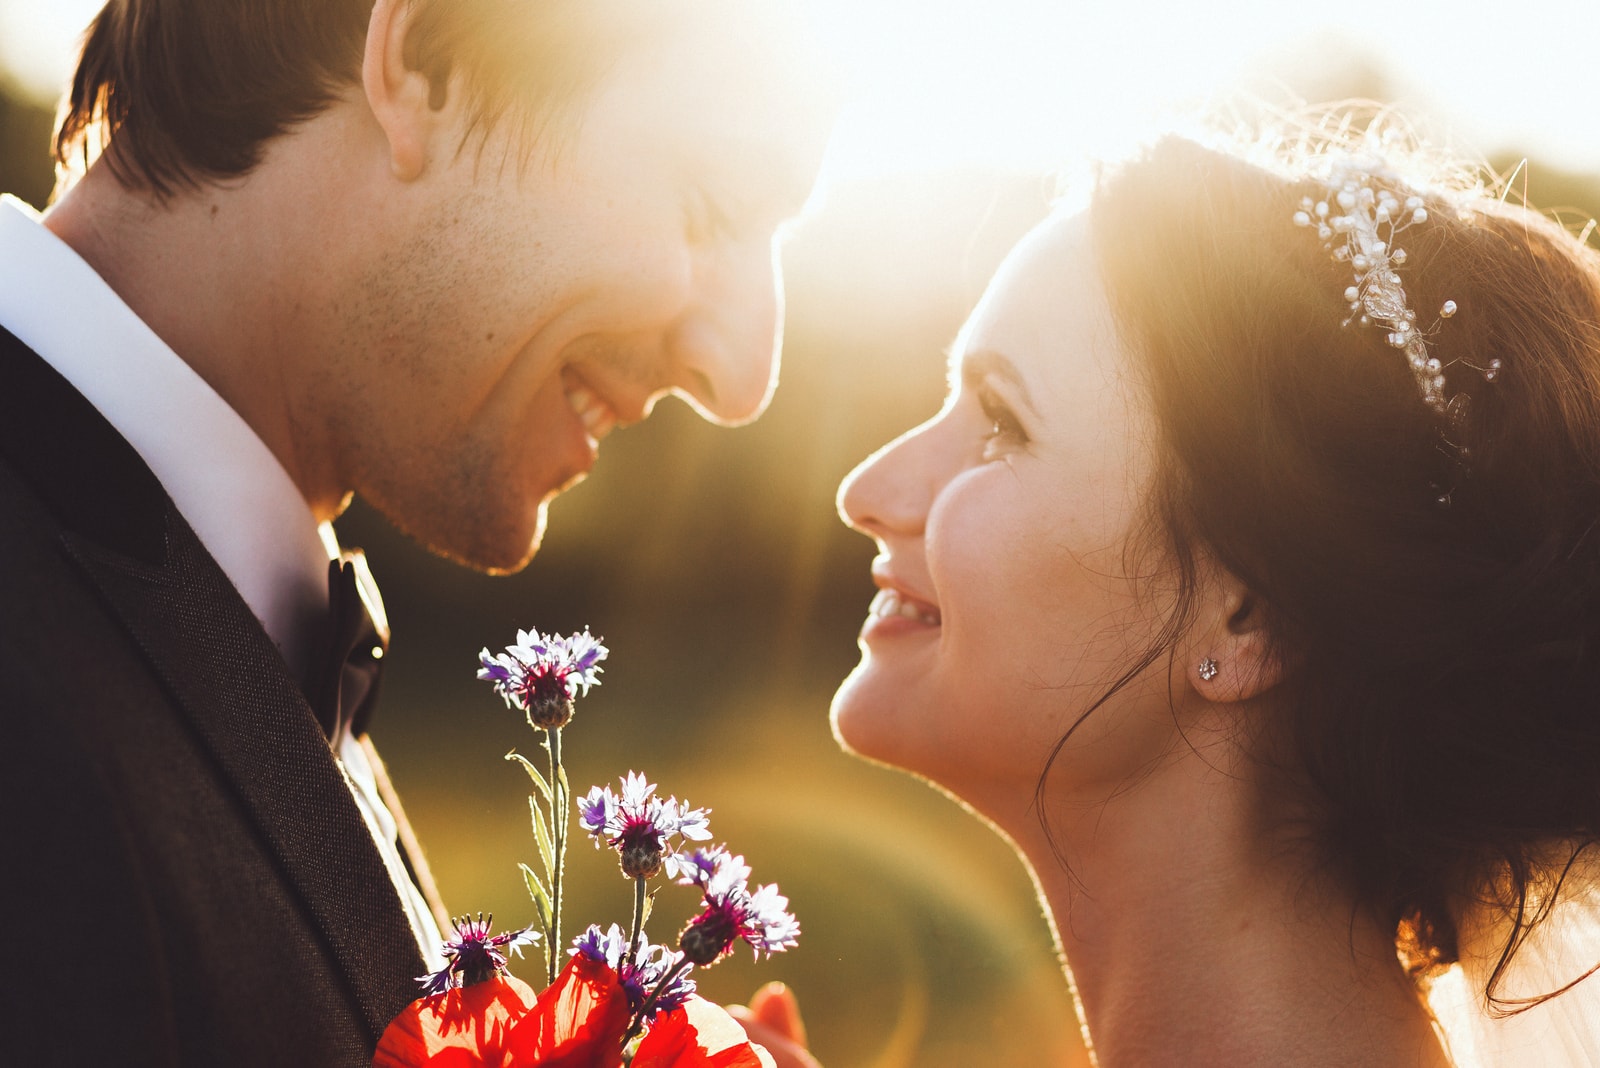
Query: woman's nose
x=889 y=492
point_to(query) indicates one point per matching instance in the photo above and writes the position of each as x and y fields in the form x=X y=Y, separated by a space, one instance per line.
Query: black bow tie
x=345 y=687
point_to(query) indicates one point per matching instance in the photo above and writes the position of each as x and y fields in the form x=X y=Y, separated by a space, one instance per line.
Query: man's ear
x=400 y=97
x=1230 y=655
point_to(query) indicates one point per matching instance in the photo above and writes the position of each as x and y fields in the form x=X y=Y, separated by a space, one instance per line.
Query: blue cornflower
x=640 y=975
x=732 y=910
x=542 y=673
x=640 y=826
x=474 y=956
x=696 y=867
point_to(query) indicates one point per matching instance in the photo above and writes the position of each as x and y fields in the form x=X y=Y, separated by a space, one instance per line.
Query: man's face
x=523 y=313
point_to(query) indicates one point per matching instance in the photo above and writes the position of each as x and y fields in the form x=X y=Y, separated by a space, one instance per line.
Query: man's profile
x=429 y=252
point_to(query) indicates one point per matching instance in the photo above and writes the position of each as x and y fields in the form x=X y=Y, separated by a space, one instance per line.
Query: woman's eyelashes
x=1004 y=434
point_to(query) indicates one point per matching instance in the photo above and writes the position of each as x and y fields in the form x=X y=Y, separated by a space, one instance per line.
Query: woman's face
x=1005 y=604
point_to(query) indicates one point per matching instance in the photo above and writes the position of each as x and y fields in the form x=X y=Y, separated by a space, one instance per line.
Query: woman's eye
x=1004 y=434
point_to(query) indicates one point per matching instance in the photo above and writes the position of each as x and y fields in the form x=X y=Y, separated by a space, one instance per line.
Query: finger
x=775 y=1006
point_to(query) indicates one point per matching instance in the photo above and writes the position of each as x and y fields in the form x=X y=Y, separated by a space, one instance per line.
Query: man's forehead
x=758 y=109
x=746 y=68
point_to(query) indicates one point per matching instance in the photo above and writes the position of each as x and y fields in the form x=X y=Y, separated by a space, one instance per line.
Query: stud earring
x=1208 y=669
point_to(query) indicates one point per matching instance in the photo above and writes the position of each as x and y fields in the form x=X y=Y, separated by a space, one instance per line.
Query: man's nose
x=727 y=345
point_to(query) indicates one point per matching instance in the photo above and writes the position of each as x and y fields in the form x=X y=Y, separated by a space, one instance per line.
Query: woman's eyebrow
x=987 y=363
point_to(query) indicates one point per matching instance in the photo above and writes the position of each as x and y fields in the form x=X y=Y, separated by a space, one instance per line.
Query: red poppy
x=463 y=1027
x=699 y=1035
x=577 y=1023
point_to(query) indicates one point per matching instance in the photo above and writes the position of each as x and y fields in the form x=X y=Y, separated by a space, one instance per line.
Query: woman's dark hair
x=1432 y=591
x=188 y=91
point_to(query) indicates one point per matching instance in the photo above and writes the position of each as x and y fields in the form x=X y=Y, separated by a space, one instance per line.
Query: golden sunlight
x=714 y=562
x=1026 y=84
x=1030 y=83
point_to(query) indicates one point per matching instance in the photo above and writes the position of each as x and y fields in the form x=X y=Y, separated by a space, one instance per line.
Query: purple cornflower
x=732 y=910
x=542 y=673
x=639 y=976
x=639 y=825
x=473 y=955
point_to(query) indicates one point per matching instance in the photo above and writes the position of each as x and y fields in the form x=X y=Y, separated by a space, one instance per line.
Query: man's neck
x=217 y=470
x=206 y=269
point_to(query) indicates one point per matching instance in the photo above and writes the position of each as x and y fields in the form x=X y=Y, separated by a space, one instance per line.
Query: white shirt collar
x=224 y=480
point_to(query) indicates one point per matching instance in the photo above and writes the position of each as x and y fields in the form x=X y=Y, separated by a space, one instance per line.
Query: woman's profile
x=1249 y=583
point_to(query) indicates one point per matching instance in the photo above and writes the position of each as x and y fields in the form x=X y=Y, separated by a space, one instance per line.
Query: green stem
x=638 y=918
x=558 y=831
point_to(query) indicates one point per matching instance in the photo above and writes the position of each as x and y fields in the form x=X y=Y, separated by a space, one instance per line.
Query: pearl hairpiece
x=1358 y=221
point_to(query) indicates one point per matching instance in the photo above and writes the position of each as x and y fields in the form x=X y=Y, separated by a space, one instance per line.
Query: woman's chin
x=863 y=721
x=885 y=722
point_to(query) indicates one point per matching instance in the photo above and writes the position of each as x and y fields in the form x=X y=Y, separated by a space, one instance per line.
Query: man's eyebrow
x=975 y=366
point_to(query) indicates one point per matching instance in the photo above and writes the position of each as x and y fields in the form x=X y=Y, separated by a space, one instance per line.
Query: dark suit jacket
x=186 y=878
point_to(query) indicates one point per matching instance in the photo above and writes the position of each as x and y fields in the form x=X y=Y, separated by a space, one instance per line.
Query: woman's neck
x=1197 y=935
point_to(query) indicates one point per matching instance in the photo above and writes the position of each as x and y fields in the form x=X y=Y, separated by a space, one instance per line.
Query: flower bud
x=548 y=703
x=707 y=937
x=641 y=856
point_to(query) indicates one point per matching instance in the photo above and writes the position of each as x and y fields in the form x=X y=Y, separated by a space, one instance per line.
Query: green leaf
x=538 y=778
x=649 y=906
x=561 y=812
x=541 y=833
x=533 y=807
x=541 y=897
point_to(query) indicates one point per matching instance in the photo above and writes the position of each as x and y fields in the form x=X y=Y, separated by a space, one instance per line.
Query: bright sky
x=1025 y=83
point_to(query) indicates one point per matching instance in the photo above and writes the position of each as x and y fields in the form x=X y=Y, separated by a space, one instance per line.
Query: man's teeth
x=596 y=417
x=889 y=603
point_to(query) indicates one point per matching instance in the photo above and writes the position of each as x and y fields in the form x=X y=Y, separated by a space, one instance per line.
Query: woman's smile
x=894 y=612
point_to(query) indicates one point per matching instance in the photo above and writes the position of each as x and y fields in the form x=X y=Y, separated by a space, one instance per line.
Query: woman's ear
x=400 y=97
x=1230 y=655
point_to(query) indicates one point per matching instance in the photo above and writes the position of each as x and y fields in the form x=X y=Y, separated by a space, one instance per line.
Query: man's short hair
x=183 y=92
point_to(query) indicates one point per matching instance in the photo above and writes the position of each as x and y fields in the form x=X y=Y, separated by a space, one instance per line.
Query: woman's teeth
x=889 y=603
x=596 y=417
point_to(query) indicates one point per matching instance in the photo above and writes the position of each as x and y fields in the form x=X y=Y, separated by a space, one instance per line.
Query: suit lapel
x=219 y=666
x=233 y=686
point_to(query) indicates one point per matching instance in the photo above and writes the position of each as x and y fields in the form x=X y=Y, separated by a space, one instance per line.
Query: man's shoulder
x=129 y=843
x=130 y=840
x=71 y=459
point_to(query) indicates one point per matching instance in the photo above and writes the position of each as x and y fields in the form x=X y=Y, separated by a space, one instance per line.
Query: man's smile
x=597 y=417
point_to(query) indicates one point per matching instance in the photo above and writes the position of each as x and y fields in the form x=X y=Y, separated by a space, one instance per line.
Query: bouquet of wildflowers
x=617 y=999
